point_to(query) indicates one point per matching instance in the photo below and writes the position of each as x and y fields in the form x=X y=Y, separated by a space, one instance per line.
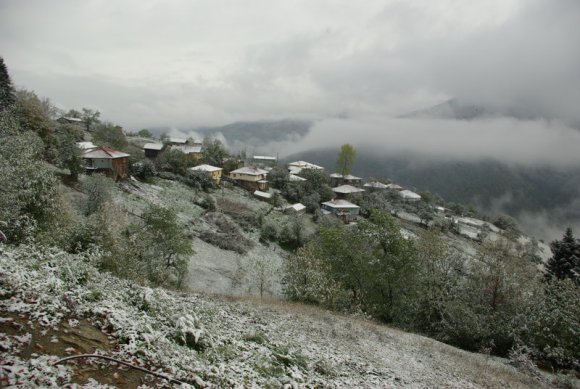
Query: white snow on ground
x=218 y=343
x=213 y=270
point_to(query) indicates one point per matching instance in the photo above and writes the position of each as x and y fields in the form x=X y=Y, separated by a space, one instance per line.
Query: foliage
x=507 y=224
x=174 y=161
x=168 y=246
x=371 y=267
x=110 y=135
x=34 y=115
x=565 y=261
x=198 y=180
x=68 y=154
x=27 y=186
x=98 y=188
x=278 y=177
x=440 y=269
x=550 y=326
x=484 y=308
x=145 y=133
x=213 y=151
x=7 y=93
x=90 y=118
x=346 y=159
x=144 y=170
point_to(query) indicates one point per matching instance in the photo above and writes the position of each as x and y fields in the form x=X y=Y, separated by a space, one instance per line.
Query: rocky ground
x=55 y=304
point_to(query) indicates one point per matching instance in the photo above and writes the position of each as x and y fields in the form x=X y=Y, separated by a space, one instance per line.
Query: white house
x=297 y=167
x=214 y=172
x=343 y=209
x=345 y=190
x=251 y=178
x=409 y=195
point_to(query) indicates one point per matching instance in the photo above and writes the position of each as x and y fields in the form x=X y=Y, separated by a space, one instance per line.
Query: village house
x=214 y=172
x=297 y=208
x=337 y=179
x=152 y=150
x=408 y=195
x=344 y=191
x=264 y=160
x=343 y=209
x=394 y=187
x=375 y=185
x=297 y=167
x=175 y=141
x=193 y=152
x=105 y=160
x=251 y=178
x=264 y=196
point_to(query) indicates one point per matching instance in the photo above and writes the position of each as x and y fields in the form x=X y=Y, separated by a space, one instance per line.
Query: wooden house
x=344 y=191
x=105 y=160
x=214 y=172
x=251 y=178
x=152 y=150
x=337 y=179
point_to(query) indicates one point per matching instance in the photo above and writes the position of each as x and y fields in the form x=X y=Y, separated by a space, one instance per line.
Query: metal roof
x=407 y=194
x=252 y=171
x=187 y=149
x=104 y=152
x=305 y=165
x=376 y=185
x=264 y=158
x=347 y=189
x=340 y=204
x=153 y=146
x=265 y=195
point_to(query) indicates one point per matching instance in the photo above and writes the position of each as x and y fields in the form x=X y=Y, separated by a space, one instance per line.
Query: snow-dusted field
x=214 y=342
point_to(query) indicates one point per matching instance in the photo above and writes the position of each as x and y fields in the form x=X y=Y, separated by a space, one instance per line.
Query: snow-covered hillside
x=48 y=296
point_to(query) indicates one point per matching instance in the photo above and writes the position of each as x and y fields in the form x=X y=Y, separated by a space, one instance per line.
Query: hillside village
x=252 y=175
x=215 y=269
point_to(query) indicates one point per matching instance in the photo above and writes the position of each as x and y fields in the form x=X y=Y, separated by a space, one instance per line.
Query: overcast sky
x=185 y=63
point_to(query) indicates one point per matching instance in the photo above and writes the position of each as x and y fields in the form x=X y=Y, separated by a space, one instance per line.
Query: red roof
x=105 y=152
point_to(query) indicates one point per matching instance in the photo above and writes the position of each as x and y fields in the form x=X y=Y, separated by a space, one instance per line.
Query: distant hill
x=260 y=133
x=461 y=110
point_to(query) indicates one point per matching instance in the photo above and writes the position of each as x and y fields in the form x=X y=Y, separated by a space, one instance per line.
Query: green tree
x=90 y=118
x=145 y=133
x=174 y=161
x=110 y=135
x=565 y=261
x=213 y=151
x=278 y=177
x=7 y=93
x=34 y=114
x=27 y=187
x=99 y=190
x=68 y=154
x=169 y=246
x=439 y=272
x=346 y=159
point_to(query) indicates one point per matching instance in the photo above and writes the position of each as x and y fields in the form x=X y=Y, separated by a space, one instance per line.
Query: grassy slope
x=240 y=343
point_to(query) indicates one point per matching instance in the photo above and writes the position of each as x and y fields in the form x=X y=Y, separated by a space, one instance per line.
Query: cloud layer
x=191 y=63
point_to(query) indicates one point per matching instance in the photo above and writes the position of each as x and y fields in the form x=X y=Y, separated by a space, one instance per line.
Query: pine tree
x=7 y=96
x=565 y=262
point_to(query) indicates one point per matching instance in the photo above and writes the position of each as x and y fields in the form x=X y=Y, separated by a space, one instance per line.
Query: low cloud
x=506 y=140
